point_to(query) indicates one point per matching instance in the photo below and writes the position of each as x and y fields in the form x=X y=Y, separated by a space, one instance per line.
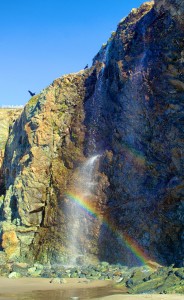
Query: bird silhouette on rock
x=32 y=94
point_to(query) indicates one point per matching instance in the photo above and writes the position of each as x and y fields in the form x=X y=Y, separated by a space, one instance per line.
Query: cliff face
x=42 y=149
x=128 y=107
x=144 y=92
x=7 y=118
x=174 y=7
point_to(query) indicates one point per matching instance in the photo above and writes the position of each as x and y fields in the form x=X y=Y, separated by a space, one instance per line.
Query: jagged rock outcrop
x=7 y=119
x=128 y=107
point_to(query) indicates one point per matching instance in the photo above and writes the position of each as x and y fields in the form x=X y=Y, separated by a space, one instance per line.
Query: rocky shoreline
x=136 y=280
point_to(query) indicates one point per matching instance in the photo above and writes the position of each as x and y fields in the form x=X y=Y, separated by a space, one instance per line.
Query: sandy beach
x=142 y=297
x=22 y=285
x=41 y=288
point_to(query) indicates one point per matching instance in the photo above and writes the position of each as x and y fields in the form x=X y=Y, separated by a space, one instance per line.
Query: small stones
x=55 y=280
x=21 y=268
x=119 y=280
x=58 y=280
x=2 y=258
x=84 y=281
x=63 y=280
x=105 y=264
x=14 y=275
x=129 y=283
x=136 y=280
x=31 y=270
x=180 y=273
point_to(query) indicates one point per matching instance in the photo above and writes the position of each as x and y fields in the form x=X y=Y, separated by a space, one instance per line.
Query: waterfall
x=96 y=103
x=106 y=53
x=95 y=108
x=81 y=196
x=79 y=220
x=86 y=181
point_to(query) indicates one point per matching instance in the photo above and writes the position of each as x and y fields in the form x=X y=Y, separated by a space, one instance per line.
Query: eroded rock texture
x=128 y=107
x=7 y=119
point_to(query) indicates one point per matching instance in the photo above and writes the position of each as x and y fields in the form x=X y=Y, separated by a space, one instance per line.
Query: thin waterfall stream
x=78 y=211
x=80 y=201
x=96 y=102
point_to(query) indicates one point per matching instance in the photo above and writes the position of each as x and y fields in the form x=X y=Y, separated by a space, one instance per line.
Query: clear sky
x=40 y=40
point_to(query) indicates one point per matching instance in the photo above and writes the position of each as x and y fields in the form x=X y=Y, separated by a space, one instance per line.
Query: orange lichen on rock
x=11 y=244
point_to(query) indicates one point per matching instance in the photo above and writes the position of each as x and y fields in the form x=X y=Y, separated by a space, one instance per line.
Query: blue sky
x=40 y=40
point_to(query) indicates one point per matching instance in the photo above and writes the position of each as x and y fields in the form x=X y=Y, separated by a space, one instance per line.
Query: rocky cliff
x=127 y=108
x=7 y=119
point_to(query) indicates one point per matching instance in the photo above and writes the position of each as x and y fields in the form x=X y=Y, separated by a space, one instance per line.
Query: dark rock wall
x=144 y=91
x=129 y=108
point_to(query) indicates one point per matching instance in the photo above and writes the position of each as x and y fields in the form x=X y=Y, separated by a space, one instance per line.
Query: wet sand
x=22 y=285
x=41 y=288
x=142 y=297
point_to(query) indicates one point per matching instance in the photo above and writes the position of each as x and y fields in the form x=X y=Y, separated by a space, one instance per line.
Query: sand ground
x=9 y=287
x=22 y=285
x=142 y=297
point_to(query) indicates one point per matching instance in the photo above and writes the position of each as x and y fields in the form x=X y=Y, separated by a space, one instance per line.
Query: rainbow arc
x=126 y=240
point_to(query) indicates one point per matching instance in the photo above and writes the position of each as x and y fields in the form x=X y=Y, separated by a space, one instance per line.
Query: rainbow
x=124 y=238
